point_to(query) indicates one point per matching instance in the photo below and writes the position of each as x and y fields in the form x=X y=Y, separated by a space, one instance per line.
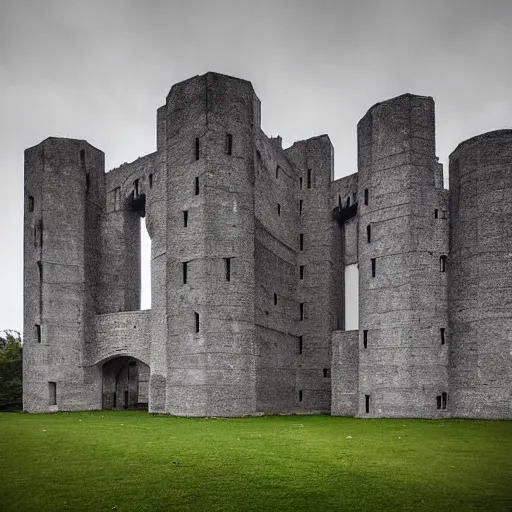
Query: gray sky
x=98 y=70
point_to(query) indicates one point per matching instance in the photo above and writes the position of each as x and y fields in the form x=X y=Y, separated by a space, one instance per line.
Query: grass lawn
x=132 y=461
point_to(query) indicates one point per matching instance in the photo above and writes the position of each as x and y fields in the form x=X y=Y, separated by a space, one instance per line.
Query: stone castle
x=252 y=246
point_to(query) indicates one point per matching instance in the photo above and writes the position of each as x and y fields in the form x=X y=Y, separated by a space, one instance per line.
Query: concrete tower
x=64 y=193
x=480 y=277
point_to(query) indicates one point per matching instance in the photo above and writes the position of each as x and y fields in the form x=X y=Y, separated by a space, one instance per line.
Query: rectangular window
x=348 y=202
x=366 y=196
x=368 y=233
x=197 y=148
x=275 y=299
x=300 y=183
x=38 y=333
x=327 y=373
x=442 y=263
x=185 y=218
x=365 y=339
x=300 y=345
x=339 y=202
x=301 y=272
x=197 y=321
x=136 y=189
x=87 y=183
x=301 y=241
x=82 y=158
x=300 y=395
x=277 y=172
x=227 y=268
x=309 y=178
x=40 y=268
x=30 y=203
x=300 y=207
x=302 y=311
x=438 y=400
x=229 y=143
x=367 y=404
x=374 y=266
x=436 y=213
x=150 y=181
x=278 y=209
x=117 y=199
x=444 y=400
x=197 y=186
x=52 y=393
x=185 y=270
x=443 y=336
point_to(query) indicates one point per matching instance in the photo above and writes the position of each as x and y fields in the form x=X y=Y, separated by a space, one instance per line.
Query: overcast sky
x=98 y=70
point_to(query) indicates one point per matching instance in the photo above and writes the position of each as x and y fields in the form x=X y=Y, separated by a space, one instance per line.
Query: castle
x=252 y=246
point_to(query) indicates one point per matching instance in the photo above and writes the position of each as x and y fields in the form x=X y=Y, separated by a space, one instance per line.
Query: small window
x=87 y=183
x=436 y=213
x=368 y=233
x=339 y=202
x=301 y=241
x=367 y=404
x=365 y=339
x=82 y=158
x=275 y=299
x=185 y=218
x=301 y=272
x=442 y=331
x=348 y=202
x=150 y=181
x=40 y=268
x=197 y=148
x=136 y=189
x=444 y=400
x=185 y=271
x=197 y=321
x=38 y=333
x=309 y=178
x=301 y=181
x=374 y=266
x=117 y=199
x=366 y=196
x=278 y=209
x=229 y=144
x=300 y=395
x=327 y=373
x=52 y=392
x=227 y=268
x=300 y=345
x=300 y=207
x=438 y=400
x=197 y=185
x=30 y=203
x=442 y=263
x=302 y=311
x=277 y=172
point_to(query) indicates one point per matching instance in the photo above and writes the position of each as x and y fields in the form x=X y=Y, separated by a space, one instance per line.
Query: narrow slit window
x=229 y=144
x=82 y=158
x=438 y=400
x=136 y=189
x=374 y=266
x=300 y=207
x=442 y=331
x=196 y=315
x=442 y=263
x=301 y=272
x=327 y=373
x=367 y=404
x=366 y=194
x=275 y=299
x=117 y=199
x=52 y=392
x=38 y=333
x=277 y=172
x=197 y=185
x=185 y=218
x=300 y=345
x=278 y=209
x=227 y=268
x=301 y=241
x=339 y=202
x=348 y=202
x=365 y=338
x=444 y=400
x=185 y=271
x=197 y=148
x=87 y=183
x=309 y=178
x=368 y=233
x=40 y=268
x=300 y=395
x=150 y=181
x=301 y=181
x=30 y=203
x=436 y=213
x=302 y=311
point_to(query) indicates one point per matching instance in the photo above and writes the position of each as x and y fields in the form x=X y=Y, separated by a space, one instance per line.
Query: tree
x=11 y=370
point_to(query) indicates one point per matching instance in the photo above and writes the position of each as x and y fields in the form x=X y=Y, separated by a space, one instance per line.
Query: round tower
x=402 y=290
x=480 y=276
x=210 y=126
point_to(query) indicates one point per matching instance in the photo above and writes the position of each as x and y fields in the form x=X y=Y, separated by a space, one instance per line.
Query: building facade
x=253 y=248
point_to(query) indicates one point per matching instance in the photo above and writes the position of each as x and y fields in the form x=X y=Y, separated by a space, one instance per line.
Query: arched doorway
x=125 y=384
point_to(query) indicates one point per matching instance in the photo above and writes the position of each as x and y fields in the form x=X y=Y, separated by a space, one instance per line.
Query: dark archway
x=125 y=384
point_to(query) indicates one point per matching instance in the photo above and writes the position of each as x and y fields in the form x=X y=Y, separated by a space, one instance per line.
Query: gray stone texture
x=257 y=326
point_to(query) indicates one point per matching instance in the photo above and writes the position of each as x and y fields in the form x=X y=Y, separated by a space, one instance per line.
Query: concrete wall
x=480 y=277
x=345 y=373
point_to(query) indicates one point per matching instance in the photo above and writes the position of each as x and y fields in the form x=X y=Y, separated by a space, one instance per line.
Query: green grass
x=132 y=461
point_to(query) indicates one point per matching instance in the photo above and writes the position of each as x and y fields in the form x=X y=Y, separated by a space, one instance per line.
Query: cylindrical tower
x=480 y=276
x=210 y=128
x=403 y=358
x=64 y=195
